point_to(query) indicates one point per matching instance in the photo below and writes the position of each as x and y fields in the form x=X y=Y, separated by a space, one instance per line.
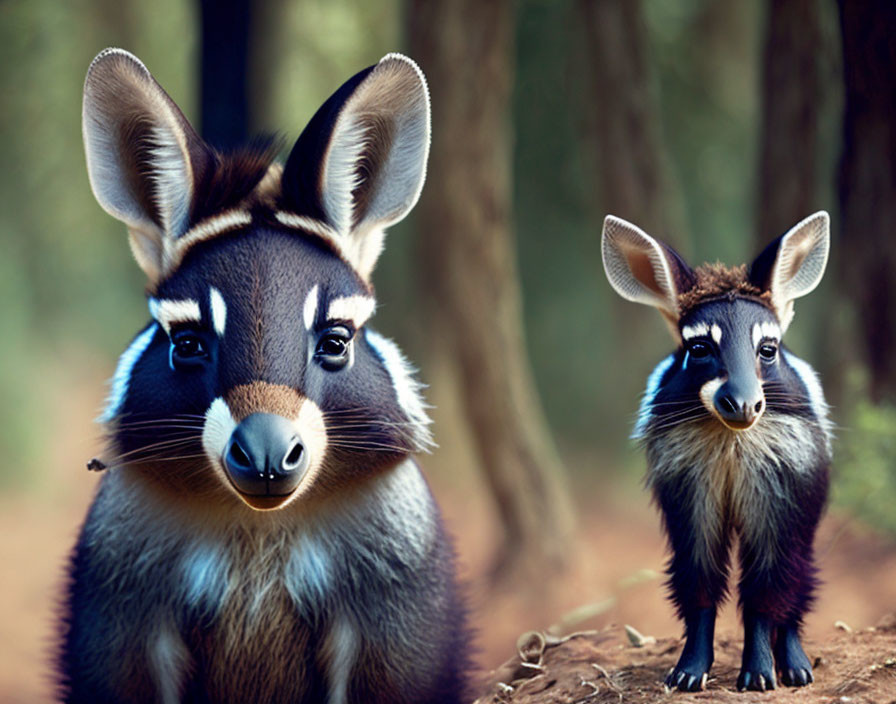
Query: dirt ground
x=603 y=666
x=614 y=577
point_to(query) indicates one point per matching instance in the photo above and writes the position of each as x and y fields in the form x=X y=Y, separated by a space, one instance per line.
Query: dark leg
x=693 y=666
x=790 y=659
x=778 y=577
x=698 y=574
x=758 y=666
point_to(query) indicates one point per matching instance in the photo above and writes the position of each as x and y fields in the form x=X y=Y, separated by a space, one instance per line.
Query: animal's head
x=257 y=377
x=728 y=322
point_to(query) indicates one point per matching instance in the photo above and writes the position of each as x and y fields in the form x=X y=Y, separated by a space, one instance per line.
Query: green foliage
x=865 y=462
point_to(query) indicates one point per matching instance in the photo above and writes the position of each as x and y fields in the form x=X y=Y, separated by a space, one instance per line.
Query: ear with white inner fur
x=361 y=161
x=142 y=154
x=643 y=270
x=793 y=264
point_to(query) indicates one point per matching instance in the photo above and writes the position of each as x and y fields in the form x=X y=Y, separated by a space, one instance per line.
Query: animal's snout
x=265 y=456
x=737 y=408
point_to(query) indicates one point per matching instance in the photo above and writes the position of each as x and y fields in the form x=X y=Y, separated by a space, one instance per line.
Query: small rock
x=842 y=626
x=636 y=638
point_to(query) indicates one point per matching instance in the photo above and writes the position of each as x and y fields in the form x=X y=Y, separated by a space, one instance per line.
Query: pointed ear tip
x=610 y=221
x=400 y=60
x=103 y=60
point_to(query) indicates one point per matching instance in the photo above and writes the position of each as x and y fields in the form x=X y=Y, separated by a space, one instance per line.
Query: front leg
x=757 y=670
x=790 y=658
x=693 y=666
x=698 y=570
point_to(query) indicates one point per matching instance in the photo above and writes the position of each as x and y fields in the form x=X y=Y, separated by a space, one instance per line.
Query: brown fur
x=231 y=179
x=720 y=281
x=262 y=397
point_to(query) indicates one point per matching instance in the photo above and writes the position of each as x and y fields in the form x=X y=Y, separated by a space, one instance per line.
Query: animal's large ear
x=643 y=270
x=793 y=264
x=360 y=164
x=143 y=157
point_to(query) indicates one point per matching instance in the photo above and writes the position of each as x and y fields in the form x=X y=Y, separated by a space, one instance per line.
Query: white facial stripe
x=716 y=332
x=167 y=312
x=765 y=330
x=695 y=330
x=708 y=392
x=219 y=310
x=309 y=310
x=653 y=386
x=219 y=425
x=407 y=388
x=810 y=380
x=313 y=431
x=356 y=309
x=122 y=376
x=212 y=227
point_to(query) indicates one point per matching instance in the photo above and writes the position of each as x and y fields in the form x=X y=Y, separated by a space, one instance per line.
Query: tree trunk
x=224 y=103
x=867 y=182
x=623 y=117
x=791 y=96
x=465 y=48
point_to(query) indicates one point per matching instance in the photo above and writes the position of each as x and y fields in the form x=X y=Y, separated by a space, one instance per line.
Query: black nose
x=735 y=409
x=265 y=456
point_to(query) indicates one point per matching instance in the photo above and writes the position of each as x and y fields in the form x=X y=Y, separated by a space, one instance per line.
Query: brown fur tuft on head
x=229 y=178
x=720 y=281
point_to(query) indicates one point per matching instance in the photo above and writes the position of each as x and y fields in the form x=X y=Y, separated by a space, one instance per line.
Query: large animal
x=261 y=533
x=738 y=442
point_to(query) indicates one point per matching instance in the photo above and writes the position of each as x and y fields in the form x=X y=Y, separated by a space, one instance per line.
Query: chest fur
x=736 y=475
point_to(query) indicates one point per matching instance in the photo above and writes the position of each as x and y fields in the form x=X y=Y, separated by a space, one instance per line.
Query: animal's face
x=258 y=377
x=729 y=351
x=730 y=364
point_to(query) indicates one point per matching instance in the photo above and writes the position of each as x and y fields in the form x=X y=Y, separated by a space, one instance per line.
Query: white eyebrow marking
x=219 y=310
x=716 y=333
x=765 y=329
x=309 y=311
x=695 y=330
x=167 y=311
x=357 y=309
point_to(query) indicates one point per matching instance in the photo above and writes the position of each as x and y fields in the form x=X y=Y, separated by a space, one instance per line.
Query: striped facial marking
x=219 y=311
x=122 y=377
x=353 y=309
x=695 y=330
x=765 y=330
x=167 y=312
x=309 y=309
x=407 y=388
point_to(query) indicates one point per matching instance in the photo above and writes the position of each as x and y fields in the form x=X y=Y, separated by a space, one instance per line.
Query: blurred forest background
x=713 y=124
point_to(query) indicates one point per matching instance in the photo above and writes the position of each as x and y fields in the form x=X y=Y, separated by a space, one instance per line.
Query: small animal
x=738 y=442
x=261 y=532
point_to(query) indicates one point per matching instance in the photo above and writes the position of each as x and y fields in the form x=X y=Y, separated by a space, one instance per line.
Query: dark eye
x=699 y=350
x=187 y=349
x=332 y=348
x=768 y=351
